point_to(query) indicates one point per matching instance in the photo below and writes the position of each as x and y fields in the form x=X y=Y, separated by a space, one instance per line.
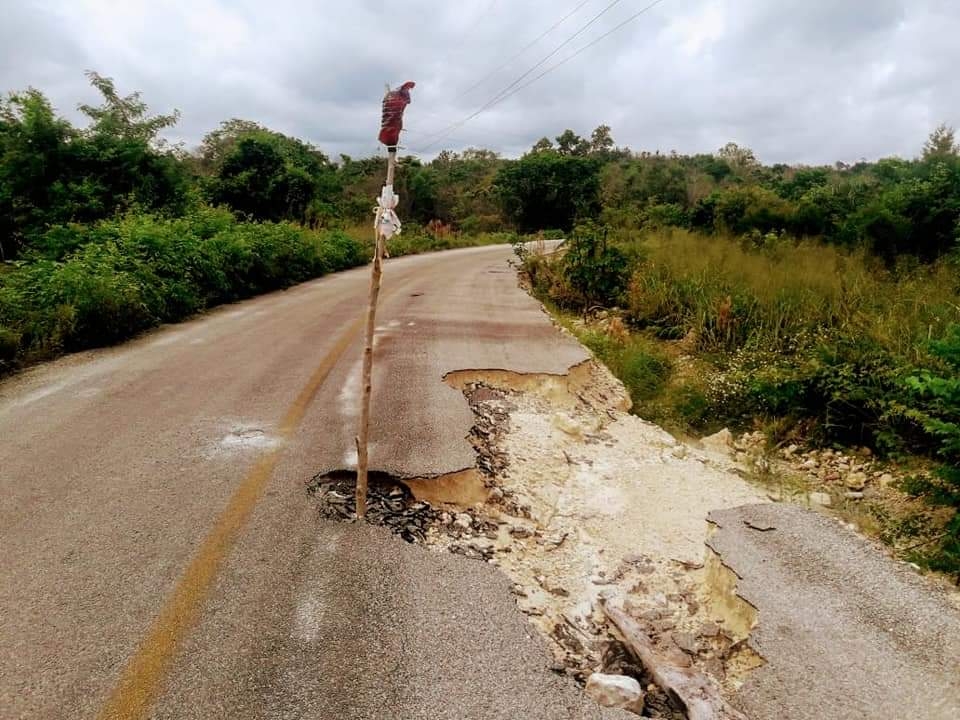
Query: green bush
x=939 y=414
x=642 y=368
x=597 y=272
x=132 y=273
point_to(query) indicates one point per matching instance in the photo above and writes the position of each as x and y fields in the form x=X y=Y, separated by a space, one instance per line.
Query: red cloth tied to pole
x=394 y=103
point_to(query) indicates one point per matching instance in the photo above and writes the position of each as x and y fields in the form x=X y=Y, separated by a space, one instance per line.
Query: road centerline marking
x=137 y=688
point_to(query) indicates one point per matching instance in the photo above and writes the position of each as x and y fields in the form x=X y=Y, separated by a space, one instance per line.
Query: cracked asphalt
x=846 y=631
x=160 y=556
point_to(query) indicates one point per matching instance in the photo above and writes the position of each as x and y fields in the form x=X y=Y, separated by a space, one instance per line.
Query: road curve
x=160 y=558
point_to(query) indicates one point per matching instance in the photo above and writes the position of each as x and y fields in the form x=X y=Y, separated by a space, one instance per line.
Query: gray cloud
x=797 y=80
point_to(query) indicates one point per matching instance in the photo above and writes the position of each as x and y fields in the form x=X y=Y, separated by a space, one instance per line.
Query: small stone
x=518 y=531
x=851 y=495
x=686 y=642
x=832 y=476
x=496 y=494
x=810 y=464
x=709 y=630
x=886 y=480
x=792 y=449
x=856 y=481
x=463 y=520
x=679 y=452
x=820 y=498
x=720 y=442
x=616 y=691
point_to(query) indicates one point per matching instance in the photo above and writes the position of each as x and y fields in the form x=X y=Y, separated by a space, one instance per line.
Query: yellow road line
x=137 y=689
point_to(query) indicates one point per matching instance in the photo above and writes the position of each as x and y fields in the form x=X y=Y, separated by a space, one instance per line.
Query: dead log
x=695 y=693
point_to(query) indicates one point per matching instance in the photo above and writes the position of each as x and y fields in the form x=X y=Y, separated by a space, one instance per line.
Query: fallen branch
x=696 y=694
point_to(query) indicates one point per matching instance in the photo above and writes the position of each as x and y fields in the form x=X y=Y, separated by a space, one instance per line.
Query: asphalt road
x=160 y=557
x=846 y=632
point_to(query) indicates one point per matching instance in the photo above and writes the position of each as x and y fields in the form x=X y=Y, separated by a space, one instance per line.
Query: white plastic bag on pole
x=387 y=223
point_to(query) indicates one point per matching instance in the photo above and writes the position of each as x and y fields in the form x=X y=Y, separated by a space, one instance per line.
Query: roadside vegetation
x=810 y=342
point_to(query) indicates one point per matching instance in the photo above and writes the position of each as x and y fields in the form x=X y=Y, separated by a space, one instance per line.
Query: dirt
x=587 y=501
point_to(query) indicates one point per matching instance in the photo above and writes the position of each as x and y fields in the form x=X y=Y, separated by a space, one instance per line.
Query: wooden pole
x=367 y=382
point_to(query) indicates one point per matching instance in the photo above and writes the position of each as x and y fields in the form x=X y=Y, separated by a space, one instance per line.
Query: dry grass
x=730 y=295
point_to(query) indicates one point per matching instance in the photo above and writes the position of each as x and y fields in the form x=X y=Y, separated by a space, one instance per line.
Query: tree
x=52 y=173
x=124 y=117
x=941 y=143
x=269 y=176
x=542 y=144
x=601 y=141
x=739 y=157
x=217 y=144
x=32 y=145
x=569 y=143
x=549 y=190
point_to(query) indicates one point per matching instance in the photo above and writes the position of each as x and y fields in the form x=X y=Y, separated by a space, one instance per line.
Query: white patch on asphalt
x=307 y=619
x=40 y=394
x=248 y=438
x=350 y=459
x=240 y=438
x=349 y=394
x=167 y=339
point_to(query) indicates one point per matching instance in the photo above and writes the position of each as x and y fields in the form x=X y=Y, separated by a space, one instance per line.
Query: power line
x=583 y=49
x=503 y=93
x=526 y=47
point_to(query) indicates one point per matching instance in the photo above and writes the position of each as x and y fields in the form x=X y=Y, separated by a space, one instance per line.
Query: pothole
x=389 y=503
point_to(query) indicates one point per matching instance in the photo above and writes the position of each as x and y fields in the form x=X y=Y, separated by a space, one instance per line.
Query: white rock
x=464 y=521
x=679 y=452
x=617 y=691
x=821 y=498
x=810 y=464
x=856 y=480
x=721 y=441
x=886 y=480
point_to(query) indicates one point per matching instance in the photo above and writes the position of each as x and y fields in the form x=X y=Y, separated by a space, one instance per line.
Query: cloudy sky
x=802 y=81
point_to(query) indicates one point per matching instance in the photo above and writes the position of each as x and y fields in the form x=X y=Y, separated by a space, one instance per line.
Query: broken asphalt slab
x=846 y=631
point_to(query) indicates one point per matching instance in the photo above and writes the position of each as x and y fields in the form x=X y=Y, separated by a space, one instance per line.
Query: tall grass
x=731 y=294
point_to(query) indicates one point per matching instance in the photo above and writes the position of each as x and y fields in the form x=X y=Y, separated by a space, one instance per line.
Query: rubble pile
x=388 y=504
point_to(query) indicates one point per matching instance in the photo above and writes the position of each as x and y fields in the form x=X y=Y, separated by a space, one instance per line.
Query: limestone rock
x=821 y=498
x=617 y=691
x=719 y=442
x=856 y=481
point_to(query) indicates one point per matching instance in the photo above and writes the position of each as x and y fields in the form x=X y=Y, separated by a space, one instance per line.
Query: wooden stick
x=696 y=693
x=367 y=382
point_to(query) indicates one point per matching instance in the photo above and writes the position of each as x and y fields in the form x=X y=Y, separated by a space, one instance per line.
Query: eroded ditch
x=580 y=503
